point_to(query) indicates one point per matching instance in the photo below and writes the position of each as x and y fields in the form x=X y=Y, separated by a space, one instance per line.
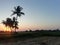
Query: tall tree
x=18 y=12
x=15 y=23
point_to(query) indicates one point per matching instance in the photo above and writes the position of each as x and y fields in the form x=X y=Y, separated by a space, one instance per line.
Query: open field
x=30 y=38
x=35 y=41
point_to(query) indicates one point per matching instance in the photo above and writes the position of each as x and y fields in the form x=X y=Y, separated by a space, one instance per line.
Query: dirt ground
x=36 y=41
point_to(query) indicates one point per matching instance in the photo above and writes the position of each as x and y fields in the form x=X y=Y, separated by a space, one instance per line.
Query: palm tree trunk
x=15 y=29
x=15 y=22
x=11 y=29
x=16 y=18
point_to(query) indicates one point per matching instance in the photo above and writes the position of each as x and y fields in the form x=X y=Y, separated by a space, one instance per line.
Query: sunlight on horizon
x=26 y=27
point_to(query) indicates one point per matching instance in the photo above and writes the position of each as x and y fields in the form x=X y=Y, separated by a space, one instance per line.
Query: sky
x=39 y=14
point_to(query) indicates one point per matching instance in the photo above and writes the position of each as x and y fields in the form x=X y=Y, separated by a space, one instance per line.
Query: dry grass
x=35 y=41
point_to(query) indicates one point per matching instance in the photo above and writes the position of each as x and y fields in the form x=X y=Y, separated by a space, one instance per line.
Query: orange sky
x=21 y=27
x=27 y=27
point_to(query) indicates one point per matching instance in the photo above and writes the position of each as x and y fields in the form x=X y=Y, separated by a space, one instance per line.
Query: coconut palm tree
x=11 y=23
x=8 y=22
x=15 y=23
x=17 y=11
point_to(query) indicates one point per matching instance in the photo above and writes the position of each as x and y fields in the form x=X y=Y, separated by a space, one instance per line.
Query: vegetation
x=28 y=34
x=18 y=12
x=13 y=23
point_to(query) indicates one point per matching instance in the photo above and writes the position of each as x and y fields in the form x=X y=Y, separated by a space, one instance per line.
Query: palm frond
x=3 y=22
x=21 y=8
x=22 y=13
x=18 y=11
x=15 y=8
x=13 y=13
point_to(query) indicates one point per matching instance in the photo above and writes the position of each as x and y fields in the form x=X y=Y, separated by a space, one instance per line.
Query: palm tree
x=17 y=11
x=8 y=23
x=11 y=23
x=15 y=23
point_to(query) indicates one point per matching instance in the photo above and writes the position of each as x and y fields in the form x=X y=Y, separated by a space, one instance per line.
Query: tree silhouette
x=8 y=22
x=17 y=11
x=11 y=23
x=15 y=23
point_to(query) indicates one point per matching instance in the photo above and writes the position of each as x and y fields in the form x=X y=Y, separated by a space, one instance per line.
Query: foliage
x=13 y=23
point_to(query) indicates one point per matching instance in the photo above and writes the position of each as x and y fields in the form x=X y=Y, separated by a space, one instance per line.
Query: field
x=35 y=41
x=31 y=38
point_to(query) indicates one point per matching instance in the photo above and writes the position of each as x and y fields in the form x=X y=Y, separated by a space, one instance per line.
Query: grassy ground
x=45 y=40
x=24 y=36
